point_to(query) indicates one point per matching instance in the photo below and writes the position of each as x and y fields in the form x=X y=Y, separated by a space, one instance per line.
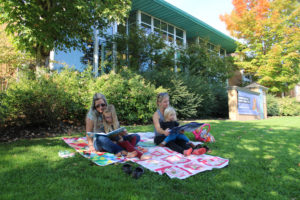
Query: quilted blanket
x=99 y=158
x=163 y=161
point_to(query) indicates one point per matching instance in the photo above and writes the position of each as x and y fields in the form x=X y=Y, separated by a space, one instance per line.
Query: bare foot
x=142 y=149
x=145 y=157
x=121 y=153
x=187 y=152
x=118 y=154
x=132 y=154
x=161 y=145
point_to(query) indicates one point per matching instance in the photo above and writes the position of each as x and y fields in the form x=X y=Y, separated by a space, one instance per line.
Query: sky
x=207 y=11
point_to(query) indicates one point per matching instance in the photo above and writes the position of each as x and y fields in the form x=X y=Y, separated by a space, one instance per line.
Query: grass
x=264 y=164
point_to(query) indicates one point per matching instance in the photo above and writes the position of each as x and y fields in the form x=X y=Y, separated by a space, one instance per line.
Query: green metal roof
x=193 y=26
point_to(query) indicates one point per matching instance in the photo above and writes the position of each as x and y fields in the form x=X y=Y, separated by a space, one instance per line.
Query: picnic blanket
x=99 y=158
x=163 y=161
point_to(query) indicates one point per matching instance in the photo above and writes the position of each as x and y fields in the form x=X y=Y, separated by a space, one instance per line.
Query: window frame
x=166 y=34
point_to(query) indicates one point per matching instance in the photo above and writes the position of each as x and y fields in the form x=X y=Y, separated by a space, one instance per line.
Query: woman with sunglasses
x=177 y=145
x=94 y=123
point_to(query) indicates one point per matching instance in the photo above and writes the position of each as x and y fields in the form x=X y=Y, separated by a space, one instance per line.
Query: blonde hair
x=96 y=97
x=108 y=127
x=168 y=112
x=161 y=96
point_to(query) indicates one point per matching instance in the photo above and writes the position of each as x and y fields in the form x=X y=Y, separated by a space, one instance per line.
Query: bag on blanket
x=203 y=135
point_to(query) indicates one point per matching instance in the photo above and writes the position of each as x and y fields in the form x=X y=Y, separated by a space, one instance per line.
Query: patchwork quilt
x=99 y=158
x=163 y=161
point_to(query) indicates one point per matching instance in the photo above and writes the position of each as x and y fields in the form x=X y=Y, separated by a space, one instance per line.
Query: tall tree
x=141 y=51
x=10 y=57
x=269 y=32
x=38 y=26
x=198 y=60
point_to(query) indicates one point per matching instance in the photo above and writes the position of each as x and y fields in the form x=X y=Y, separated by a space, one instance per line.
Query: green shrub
x=134 y=99
x=221 y=101
x=191 y=95
x=272 y=105
x=49 y=98
x=32 y=101
x=214 y=98
x=3 y=108
x=77 y=88
x=182 y=98
x=44 y=98
x=288 y=107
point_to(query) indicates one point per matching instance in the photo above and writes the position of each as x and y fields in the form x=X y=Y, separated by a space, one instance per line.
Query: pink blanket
x=163 y=160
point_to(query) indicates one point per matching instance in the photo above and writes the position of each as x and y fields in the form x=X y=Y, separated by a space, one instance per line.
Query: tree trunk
x=42 y=57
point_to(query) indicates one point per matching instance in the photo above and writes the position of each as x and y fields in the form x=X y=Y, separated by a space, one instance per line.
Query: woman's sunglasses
x=100 y=105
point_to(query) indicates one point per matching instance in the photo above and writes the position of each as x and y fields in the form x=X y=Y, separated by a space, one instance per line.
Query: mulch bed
x=15 y=133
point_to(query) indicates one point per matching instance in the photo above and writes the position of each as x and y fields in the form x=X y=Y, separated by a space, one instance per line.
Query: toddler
x=169 y=123
x=110 y=123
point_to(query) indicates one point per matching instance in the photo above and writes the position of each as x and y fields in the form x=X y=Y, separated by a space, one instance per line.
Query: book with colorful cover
x=187 y=127
x=110 y=134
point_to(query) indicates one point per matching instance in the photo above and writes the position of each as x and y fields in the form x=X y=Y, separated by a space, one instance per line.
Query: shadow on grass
x=263 y=157
x=263 y=164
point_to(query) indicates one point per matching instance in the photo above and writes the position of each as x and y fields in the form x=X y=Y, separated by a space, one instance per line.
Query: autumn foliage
x=269 y=35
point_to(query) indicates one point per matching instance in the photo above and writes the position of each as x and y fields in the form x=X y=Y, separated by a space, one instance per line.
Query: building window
x=146 y=19
x=156 y=26
x=170 y=33
x=146 y=23
x=179 y=37
x=211 y=47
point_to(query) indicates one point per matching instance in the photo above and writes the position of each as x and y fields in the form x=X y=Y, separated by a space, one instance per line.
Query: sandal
x=138 y=172
x=127 y=168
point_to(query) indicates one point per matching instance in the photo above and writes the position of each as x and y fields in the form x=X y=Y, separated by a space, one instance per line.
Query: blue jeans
x=128 y=137
x=174 y=136
x=105 y=143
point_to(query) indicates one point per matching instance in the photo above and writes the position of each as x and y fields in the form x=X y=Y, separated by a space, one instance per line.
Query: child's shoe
x=187 y=152
x=199 y=151
x=162 y=144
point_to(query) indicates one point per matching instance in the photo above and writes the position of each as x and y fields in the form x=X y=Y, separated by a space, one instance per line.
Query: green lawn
x=264 y=164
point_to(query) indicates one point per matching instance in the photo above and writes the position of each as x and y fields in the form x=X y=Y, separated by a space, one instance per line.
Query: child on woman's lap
x=169 y=123
x=110 y=123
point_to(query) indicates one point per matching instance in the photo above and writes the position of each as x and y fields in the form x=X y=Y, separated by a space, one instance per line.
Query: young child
x=110 y=123
x=169 y=123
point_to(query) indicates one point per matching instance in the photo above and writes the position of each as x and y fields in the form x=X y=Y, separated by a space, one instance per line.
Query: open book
x=187 y=127
x=110 y=134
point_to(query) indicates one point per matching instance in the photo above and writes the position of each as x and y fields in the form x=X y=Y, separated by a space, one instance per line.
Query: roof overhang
x=193 y=26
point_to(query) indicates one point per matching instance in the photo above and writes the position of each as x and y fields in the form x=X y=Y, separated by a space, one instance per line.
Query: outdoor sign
x=248 y=103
